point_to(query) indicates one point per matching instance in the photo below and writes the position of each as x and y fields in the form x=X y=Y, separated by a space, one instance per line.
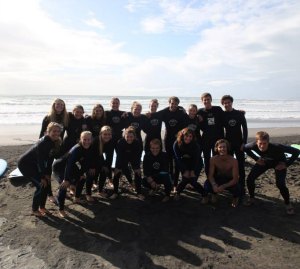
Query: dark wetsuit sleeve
x=43 y=160
x=248 y=149
x=44 y=126
x=293 y=151
x=178 y=157
x=71 y=162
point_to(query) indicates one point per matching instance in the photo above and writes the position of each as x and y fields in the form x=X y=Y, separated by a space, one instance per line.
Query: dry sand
x=128 y=233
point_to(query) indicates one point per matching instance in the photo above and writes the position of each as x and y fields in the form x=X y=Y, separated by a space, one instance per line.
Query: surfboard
x=15 y=174
x=3 y=166
x=296 y=146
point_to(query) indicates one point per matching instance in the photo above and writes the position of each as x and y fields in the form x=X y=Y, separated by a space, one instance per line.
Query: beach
x=129 y=233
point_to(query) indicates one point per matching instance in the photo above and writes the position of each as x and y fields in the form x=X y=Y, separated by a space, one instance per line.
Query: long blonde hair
x=52 y=116
x=105 y=128
x=50 y=127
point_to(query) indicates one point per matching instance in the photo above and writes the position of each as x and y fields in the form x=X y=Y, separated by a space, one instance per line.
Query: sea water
x=31 y=109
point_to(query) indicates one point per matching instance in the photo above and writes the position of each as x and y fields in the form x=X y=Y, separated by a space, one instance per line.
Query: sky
x=249 y=49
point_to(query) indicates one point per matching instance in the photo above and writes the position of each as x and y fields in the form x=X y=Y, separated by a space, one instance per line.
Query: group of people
x=78 y=150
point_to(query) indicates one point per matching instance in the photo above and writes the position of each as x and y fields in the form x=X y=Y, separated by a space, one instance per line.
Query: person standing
x=236 y=133
x=211 y=126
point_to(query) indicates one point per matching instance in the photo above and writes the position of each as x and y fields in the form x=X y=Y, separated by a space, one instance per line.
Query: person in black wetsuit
x=58 y=113
x=70 y=170
x=188 y=160
x=128 y=152
x=154 y=124
x=103 y=150
x=270 y=156
x=155 y=168
x=223 y=173
x=77 y=124
x=137 y=120
x=36 y=165
x=211 y=126
x=96 y=120
x=175 y=119
x=236 y=133
x=193 y=123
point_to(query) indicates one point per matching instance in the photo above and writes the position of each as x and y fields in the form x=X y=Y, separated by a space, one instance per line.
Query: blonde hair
x=83 y=134
x=52 y=125
x=52 y=116
x=262 y=135
x=105 y=128
x=130 y=130
x=135 y=104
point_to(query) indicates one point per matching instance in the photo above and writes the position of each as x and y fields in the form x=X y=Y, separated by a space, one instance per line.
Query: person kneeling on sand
x=223 y=173
x=269 y=155
x=71 y=169
x=155 y=167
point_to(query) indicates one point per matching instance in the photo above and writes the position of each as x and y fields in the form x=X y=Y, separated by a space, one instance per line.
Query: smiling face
x=155 y=149
x=78 y=113
x=106 y=136
x=98 y=112
x=129 y=137
x=136 y=110
x=115 y=104
x=173 y=105
x=86 y=139
x=192 y=111
x=187 y=138
x=227 y=105
x=153 y=106
x=54 y=133
x=59 y=106
x=222 y=149
x=206 y=100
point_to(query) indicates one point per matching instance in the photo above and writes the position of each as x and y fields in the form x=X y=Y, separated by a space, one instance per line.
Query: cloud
x=94 y=23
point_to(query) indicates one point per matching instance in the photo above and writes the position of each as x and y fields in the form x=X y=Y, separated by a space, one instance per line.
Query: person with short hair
x=155 y=168
x=270 y=156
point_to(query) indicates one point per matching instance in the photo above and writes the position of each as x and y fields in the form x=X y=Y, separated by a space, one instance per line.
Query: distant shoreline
x=29 y=134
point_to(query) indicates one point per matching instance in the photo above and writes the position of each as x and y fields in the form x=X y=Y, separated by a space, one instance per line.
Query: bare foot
x=62 y=213
x=37 y=213
x=44 y=211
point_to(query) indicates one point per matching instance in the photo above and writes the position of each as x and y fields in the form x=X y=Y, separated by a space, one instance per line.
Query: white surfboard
x=15 y=173
x=3 y=166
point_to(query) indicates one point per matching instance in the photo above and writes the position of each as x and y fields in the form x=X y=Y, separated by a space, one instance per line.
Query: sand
x=129 y=233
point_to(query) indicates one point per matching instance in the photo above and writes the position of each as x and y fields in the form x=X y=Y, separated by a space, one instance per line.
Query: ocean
x=31 y=109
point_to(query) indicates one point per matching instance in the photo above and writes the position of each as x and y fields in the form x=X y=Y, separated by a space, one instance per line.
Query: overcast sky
x=249 y=49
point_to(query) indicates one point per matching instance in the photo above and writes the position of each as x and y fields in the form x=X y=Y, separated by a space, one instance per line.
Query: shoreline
x=28 y=134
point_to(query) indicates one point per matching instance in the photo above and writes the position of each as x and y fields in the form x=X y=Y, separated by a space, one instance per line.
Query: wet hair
x=206 y=94
x=155 y=141
x=174 y=98
x=104 y=128
x=93 y=116
x=182 y=133
x=226 y=97
x=52 y=116
x=262 y=135
x=222 y=141
x=78 y=107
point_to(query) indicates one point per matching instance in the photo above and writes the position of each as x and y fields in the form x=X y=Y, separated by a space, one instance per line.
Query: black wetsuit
x=188 y=157
x=94 y=125
x=74 y=129
x=153 y=129
x=101 y=163
x=157 y=168
x=138 y=123
x=236 y=133
x=46 y=121
x=174 y=122
x=128 y=153
x=212 y=130
x=272 y=156
x=35 y=164
x=71 y=167
x=117 y=124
